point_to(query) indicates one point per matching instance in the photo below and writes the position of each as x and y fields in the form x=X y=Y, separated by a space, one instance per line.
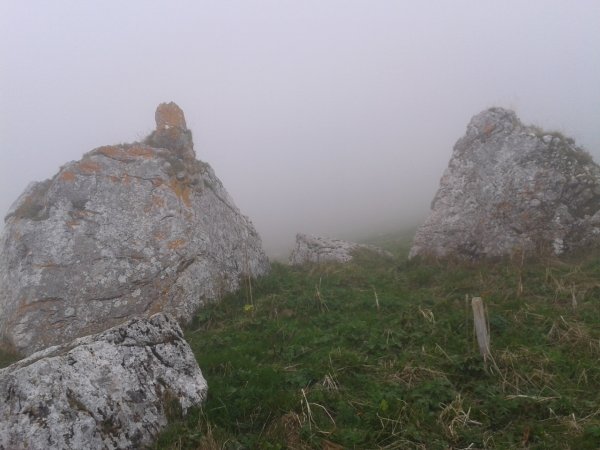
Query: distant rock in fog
x=113 y=390
x=510 y=187
x=313 y=249
x=128 y=230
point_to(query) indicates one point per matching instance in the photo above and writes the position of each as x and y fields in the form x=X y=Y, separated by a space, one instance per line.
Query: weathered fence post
x=481 y=328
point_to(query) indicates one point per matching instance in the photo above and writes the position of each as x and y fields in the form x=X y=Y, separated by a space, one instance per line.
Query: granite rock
x=113 y=390
x=314 y=249
x=512 y=188
x=127 y=230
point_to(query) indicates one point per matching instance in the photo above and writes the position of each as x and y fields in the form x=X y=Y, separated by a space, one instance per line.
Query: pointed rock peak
x=169 y=115
x=497 y=113
x=493 y=120
x=172 y=132
x=511 y=187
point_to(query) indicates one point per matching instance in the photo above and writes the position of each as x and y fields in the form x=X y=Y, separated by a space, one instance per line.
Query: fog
x=332 y=117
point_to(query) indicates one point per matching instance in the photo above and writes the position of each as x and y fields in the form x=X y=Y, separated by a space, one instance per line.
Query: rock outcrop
x=113 y=390
x=510 y=187
x=171 y=131
x=128 y=230
x=313 y=249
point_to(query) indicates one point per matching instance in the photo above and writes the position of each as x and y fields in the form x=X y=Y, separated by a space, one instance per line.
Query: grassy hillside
x=381 y=354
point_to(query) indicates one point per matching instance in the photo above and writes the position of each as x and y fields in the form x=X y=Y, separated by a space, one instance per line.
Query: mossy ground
x=382 y=354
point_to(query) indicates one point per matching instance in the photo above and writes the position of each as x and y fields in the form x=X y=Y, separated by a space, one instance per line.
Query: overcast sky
x=332 y=117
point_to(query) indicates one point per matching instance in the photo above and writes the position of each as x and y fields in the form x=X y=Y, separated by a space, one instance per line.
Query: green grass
x=310 y=361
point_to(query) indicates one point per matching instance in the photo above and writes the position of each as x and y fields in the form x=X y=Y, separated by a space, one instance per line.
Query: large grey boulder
x=113 y=390
x=510 y=187
x=128 y=230
x=315 y=249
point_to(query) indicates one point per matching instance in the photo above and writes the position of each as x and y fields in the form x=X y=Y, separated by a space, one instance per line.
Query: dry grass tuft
x=309 y=410
x=287 y=428
x=330 y=383
x=574 y=334
x=515 y=381
x=209 y=441
x=454 y=418
x=412 y=375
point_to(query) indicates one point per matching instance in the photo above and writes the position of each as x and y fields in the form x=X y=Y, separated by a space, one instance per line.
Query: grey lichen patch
x=101 y=391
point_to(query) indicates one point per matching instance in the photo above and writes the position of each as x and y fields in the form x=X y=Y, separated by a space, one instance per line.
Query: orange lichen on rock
x=182 y=191
x=158 y=201
x=489 y=128
x=155 y=202
x=141 y=151
x=175 y=244
x=160 y=301
x=126 y=153
x=66 y=175
x=169 y=115
x=89 y=167
x=24 y=305
x=159 y=235
x=72 y=224
x=82 y=214
x=111 y=151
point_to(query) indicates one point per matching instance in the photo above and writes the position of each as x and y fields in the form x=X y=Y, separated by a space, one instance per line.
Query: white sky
x=328 y=116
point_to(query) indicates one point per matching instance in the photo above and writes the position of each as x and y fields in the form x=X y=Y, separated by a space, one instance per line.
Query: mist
x=333 y=117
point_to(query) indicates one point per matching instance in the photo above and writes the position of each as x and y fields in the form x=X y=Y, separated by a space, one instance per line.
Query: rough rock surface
x=313 y=249
x=171 y=131
x=128 y=230
x=112 y=390
x=510 y=187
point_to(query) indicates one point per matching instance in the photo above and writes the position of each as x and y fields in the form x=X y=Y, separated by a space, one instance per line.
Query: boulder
x=113 y=390
x=313 y=249
x=512 y=188
x=128 y=230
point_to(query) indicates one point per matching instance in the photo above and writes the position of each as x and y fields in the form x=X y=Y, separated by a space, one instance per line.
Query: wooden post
x=481 y=328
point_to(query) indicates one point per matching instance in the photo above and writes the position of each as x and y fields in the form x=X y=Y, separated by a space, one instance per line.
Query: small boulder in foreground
x=112 y=390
